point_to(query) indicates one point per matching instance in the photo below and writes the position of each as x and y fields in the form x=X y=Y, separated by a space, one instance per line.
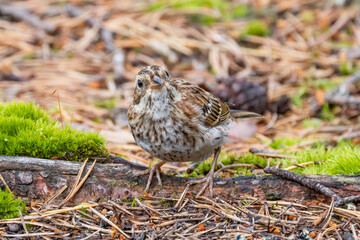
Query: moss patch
x=27 y=130
x=342 y=159
x=9 y=207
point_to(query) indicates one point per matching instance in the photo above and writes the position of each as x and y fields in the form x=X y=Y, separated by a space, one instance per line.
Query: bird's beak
x=157 y=79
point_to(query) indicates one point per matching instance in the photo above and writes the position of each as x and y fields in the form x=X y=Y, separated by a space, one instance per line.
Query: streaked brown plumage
x=177 y=121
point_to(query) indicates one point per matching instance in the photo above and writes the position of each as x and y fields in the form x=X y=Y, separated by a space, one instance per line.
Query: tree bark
x=39 y=179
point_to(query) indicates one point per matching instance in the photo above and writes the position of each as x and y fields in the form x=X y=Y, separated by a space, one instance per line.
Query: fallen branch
x=310 y=183
x=40 y=179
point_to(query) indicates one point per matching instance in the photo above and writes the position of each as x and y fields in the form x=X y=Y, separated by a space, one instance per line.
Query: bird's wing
x=213 y=111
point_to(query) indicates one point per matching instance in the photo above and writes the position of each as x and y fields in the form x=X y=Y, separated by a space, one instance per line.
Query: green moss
x=256 y=28
x=273 y=197
x=228 y=11
x=29 y=56
x=107 y=103
x=346 y=68
x=203 y=19
x=27 y=130
x=241 y=11
x=321 y=84
x=311 y=123
x=307 y=16
x=9 y=207
x=280 y=143
x=298 y=97
x=342 y=159
x=326 y=113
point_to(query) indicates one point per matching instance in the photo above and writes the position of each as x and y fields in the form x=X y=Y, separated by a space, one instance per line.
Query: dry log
x=39 y=179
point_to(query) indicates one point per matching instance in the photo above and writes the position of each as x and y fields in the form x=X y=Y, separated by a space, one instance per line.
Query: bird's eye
x=167 y=73
x=139 y=83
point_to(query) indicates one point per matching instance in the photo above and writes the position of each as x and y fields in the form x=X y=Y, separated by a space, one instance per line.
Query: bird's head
x=151 y=78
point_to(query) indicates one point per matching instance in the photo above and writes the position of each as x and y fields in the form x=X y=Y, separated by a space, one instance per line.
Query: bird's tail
x=238 y=114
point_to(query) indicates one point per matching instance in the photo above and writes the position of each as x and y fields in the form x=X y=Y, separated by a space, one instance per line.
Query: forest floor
x=294 y=61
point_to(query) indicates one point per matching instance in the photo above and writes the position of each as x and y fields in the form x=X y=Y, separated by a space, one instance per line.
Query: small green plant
x=256 y=28
x=9 y=207
x=28 y=130
x=298 y=97
x=165 y=202
x=326 y=113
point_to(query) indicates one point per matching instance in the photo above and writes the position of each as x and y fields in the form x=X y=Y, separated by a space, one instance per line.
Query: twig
x=30 y=234
x=340 y=95
x=345 y=200
x=348 y=101
x=109 y=222
x=182 y=196
x=7 y=187
x=106 y=35
x=58 y=98
x=23 y=222
x=341 y=21
x=121 y=208
x=353 y=231
x=61 y=190
x=91 y=235
x=78 y=186
x=301 y=165
x=147 y=207
x=76 y=182
x=26 y=16
x=350 y=135
x=234 y=165
x=345 y=87
x=266 y=153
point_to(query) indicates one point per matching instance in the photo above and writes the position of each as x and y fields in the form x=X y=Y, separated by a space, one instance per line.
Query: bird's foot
x=154 y=169
x=208 y=183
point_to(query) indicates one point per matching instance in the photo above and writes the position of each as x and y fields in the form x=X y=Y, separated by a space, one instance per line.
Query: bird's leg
x=154 y=169
x=209 y=179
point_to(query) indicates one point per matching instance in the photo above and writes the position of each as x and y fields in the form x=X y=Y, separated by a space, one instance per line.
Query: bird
x=177 y=121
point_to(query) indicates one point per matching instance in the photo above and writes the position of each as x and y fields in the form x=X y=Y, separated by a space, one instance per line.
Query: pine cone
x=280 y=106
x=242 y=95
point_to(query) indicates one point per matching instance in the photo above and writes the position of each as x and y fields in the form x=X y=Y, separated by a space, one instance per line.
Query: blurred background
x=295 y=61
